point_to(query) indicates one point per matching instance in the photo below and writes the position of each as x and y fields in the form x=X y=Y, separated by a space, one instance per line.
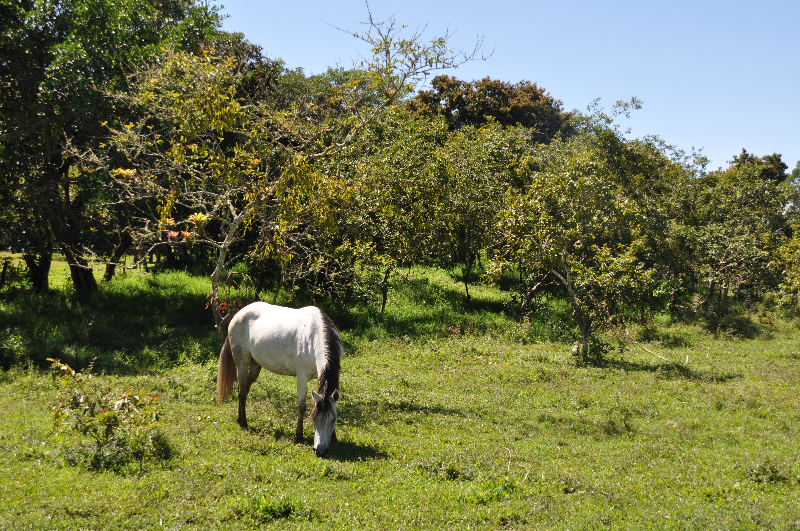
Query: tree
x=588 y=215
x=464 y=103
x=60 y=64
x=370 y=211
x=733 y=222
x=475 y=169
x=796 y=174
x=770 y=168
x=224 y=160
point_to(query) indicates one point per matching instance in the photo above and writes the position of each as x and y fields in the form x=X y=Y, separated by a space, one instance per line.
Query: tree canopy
x=142 y=124
x=475 y=103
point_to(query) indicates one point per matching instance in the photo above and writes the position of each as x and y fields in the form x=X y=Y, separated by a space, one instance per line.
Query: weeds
x=123 y=426
x=768 y=472
x=263 y=508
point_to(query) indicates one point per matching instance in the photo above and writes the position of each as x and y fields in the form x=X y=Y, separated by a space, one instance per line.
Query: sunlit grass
x=452 y=416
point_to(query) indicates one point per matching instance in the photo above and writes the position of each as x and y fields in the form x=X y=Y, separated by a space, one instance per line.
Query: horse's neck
x=328 y=357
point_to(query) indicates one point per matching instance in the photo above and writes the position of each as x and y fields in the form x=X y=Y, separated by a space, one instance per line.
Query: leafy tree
x=369 y=213
x=60 y=63
x=734 y=222
x=219 y=159
x=589 y=216
x=464 y=103
x=475 y=169
x=770 y=168
x=788 y=293
x=796 y=174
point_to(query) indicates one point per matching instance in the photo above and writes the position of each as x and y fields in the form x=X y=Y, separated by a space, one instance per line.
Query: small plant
x=264 y=508
x=123 y=426
x=767 y=473
x=12 y=348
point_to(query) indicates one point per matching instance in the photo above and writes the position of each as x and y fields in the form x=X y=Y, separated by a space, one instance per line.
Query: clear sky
x=721 y=75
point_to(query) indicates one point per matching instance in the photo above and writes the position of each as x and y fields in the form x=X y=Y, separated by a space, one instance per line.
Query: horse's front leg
x=302 y=391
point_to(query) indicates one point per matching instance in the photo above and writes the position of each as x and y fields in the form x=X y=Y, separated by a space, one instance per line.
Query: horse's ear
x=315 y=396
x=335 y=396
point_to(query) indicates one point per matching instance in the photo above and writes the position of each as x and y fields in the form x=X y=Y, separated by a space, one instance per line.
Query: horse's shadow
x=349 y=451
x=345 y=451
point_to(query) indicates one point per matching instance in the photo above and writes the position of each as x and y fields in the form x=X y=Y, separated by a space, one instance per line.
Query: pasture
x=451 y=417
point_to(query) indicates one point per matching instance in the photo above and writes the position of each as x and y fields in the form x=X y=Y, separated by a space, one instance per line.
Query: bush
x=123 y=426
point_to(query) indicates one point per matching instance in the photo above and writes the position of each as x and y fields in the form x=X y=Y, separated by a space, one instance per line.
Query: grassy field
x=451 y=417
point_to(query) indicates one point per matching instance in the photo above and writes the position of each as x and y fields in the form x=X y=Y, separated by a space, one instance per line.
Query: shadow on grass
x=358 y=413
x=740 y=326
x=128 y=326
x=614 y=425
x=339 y=450
x=666 y=370
x=347 y=451
x=420 y=307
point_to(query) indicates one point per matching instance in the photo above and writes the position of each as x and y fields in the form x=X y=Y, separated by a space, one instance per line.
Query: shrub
x=123 y=426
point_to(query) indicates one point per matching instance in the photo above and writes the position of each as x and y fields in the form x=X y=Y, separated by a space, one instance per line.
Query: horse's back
x=279 y=339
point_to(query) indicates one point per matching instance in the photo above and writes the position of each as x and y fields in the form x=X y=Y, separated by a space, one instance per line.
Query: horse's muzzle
x=321 y=452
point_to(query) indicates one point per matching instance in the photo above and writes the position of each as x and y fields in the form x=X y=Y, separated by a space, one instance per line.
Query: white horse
x=303 y=343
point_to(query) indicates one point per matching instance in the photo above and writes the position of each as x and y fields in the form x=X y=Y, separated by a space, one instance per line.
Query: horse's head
x=324 y=416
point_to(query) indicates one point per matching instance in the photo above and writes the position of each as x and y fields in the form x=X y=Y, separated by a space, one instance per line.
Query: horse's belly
x=278 y=366
x=281 y=358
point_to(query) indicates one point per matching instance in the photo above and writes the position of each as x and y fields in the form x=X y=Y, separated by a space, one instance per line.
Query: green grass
x=452 y=417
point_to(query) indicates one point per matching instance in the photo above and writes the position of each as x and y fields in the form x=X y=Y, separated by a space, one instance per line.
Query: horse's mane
x=328 y=380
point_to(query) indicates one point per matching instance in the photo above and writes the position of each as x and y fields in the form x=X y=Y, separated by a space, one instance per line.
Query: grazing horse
x=303 y=343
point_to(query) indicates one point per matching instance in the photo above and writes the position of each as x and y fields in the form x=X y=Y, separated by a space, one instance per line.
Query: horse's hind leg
x=247 y=374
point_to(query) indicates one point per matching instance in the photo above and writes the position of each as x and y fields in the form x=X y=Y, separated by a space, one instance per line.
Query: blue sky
x=718 y=75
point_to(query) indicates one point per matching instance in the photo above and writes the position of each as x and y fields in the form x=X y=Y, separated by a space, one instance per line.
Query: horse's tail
x=226 y=373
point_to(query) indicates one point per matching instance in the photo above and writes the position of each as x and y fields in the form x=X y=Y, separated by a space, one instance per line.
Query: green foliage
x=64 y=64
x=770 y=168
x=788 y=294
x=476 y=103
x=731 y=226
x=123 y=426
x=796 y=174
x=12 y=348
x=265 y=507
x=590 y=216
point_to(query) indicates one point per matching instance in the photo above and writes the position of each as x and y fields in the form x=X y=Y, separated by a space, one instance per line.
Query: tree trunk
x=122 y=242
x=467 y=269
x=221 y=322
x=278 y=289
x=3 y=275
x=39 y=270
x=82 y=275
x=583 y=323
x=526 y=300
x=385 y=288
x=710 y=296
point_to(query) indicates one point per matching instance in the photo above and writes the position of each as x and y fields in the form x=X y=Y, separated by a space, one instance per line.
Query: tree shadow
x=614 y=425
x=666 y=370
x=734 y=322
x=125 y=327
x=358 y=413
